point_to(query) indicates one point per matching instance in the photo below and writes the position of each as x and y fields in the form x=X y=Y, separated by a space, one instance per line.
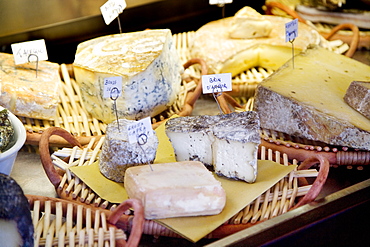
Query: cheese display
x=118 y=153
x=175 y=189
x=228 y=143
x=248 y=23
x=307 y=100
x=358 y=97
x=147 y=62
x=27 y=92
x=224 y=54
x=6 y=130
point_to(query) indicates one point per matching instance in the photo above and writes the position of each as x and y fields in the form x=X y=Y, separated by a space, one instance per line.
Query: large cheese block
x=307 y=100
x=175 y=190
x=358 y=97
x=149 y=66
x=224 y=54
x=118 y=153
x=27 y=94
x=228 y=142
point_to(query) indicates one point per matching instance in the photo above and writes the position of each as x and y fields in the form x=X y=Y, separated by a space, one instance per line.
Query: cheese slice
x=28 y=93
x=229 y=142
x=358 y=97
x=118 y=154
x=307 y=100
x=149 y=66
x=175 y=190
x=223 y=54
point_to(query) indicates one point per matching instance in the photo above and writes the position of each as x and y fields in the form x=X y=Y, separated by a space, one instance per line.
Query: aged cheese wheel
x=358 y=97
x=307 y=100
x=223 y=54
x=149 y=66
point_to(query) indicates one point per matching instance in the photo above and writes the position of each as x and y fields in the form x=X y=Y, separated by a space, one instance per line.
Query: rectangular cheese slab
x=175 y=189
x=358 y=97
x=307 y=100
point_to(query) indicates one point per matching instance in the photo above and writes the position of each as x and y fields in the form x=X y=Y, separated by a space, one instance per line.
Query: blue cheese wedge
x=148 y=63
x=118 y=153
x=227 y=142
x=175 y=189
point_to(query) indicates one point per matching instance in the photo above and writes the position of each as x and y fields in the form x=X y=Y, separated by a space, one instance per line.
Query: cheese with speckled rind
x=175 y=190
x=307 y=101
x=358 y=97
x=223 y=54
x=148 y=63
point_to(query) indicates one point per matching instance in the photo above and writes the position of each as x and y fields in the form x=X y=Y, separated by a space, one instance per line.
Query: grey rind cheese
x=358 y=97
x=307 y=101
x=118 y=153
x=227 y=142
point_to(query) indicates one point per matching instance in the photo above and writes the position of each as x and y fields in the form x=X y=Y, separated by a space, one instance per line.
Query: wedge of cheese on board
x=307 y=100
x=175 y=189
x=228 y=143
x=27 y=94
x=149 y=66
x=358 y=97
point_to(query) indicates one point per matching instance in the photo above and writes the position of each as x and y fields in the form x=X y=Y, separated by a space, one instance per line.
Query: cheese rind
x=149 y=66
x=358 y=97
x=307 y=101
x=118 y=154
x=175 y=190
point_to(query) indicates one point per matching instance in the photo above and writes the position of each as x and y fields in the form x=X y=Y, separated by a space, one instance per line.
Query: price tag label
x=30 y=51
x=111 y=9
x=140 y=131
x=217 y=2
x=291 y=30
x=216 y=83
x=112 y=87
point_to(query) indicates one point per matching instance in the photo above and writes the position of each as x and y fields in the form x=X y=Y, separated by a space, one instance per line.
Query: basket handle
x=137 y=222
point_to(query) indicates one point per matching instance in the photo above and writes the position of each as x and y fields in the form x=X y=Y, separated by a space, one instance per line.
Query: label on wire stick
x=111 y=9
x=29 y=51
x=140 y=131
x=291 y=30
x=216 y=83
x=109 y=84
x=214 y=2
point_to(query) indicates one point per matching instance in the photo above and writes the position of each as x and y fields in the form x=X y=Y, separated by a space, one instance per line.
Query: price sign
x=140 y=131
x=291 y=30
x=111 y=9
x=30 y=51
x=216 y=83
x=112 y=85
x=219 y=2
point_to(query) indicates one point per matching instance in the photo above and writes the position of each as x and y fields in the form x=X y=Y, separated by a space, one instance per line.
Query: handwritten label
x=218 y=2
x=291 y=30
x=216 y=83
x=30 y=51
x=140 y=131
x=112 y=87
x=111 y=9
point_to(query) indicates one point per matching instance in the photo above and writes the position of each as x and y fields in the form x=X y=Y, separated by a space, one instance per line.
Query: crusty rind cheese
x=307 y=100
x=175 y=189
x=148 y=63
x=27 y=93
x=358 y=97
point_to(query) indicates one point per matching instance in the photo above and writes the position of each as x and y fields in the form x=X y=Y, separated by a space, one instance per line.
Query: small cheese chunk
x=248 y=23
x=358 y=97
x=175 y=189
x=118 y=153
x=228 y=142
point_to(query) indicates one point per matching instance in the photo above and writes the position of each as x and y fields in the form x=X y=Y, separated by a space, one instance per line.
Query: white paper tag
x=214 y=2
x=216 y=83
x=111 y=9
x=112 y=87
x=291 y=30
x=29 y=51
x=140 y=131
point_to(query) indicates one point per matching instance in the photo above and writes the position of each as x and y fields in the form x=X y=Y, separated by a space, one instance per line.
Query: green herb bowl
x=8 y=156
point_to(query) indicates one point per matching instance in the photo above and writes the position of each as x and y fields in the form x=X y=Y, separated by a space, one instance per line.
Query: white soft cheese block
x=175 y=189
x=227 y=142
x=118 y=153
x=28 y=93
x=248 y=23
x=148 y=63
